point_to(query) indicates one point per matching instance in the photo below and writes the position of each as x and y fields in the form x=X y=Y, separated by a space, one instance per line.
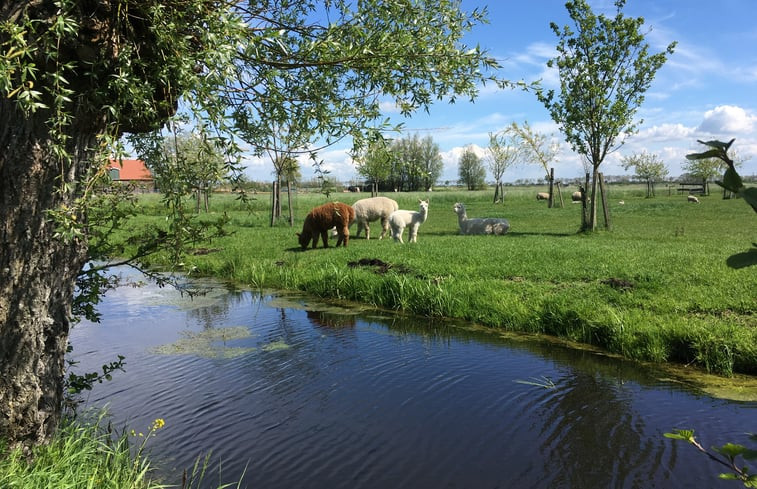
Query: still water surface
x=334 y=399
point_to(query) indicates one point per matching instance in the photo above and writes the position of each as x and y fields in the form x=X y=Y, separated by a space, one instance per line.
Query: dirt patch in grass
x=618 y=284
x=381 y=266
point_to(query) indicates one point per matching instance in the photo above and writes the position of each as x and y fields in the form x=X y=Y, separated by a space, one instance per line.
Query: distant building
x=133 y=172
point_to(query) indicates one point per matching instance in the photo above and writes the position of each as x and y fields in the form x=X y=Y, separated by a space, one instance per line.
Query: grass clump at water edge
x=89 y=454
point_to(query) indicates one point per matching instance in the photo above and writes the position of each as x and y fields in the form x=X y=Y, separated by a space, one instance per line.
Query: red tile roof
x=131 y=170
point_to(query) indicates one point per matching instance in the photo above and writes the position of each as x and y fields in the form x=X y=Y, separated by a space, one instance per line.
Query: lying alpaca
x=320 y=219
x=372 y=209
x=402 y=218
x=490 y=225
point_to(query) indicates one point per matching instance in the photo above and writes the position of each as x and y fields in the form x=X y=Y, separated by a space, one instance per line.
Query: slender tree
x=471 y=170
x=704 y=169
x=537 y=149
x=77 y=75
x=647 y=167
x=605 y=67
x=503 y=152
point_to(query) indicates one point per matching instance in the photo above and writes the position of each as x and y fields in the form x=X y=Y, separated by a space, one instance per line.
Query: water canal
x=296 y=394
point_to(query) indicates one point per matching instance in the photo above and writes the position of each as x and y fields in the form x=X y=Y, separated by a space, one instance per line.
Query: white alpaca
x=542 y=196
x=692 y=198
x=402 y=218
x=489 y=225
x=372 y=209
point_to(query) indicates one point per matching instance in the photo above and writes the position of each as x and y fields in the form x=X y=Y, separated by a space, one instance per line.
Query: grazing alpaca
x=402 y=218
x=542 y=196
x=692 y=198
x=488 y=225
x=373 y=209
x=320 y=219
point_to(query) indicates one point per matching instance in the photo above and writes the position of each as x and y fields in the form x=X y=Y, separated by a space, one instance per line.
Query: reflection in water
x=323 y=399
x=330 y=320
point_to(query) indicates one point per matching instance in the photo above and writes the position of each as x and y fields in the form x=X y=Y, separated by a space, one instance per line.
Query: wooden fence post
x=605 y=207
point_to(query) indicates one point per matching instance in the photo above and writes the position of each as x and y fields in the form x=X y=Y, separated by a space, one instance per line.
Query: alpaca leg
x=345 y=236
x=384 y=227
x=324 y=237
x=367 y=231
x=413 y=233
x=397 y=233
x=315 y=239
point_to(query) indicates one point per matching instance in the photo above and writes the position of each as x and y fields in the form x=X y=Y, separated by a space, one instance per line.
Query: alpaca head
x=304 y=240
x=459 y=209
x=423 y=206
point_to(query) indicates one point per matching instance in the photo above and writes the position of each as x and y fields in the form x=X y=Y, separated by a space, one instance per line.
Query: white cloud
x=728 y=120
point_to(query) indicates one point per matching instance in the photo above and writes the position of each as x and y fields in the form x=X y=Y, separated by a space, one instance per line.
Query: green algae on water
x=209 y=343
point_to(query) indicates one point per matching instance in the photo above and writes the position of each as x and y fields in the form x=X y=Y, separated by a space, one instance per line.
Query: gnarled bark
x=37 y=275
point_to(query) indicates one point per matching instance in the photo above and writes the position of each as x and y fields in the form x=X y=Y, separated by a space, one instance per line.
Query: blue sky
x=706 y=90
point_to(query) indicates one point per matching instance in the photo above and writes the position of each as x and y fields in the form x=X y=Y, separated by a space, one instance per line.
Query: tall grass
x=654 y=288
x=89 y=454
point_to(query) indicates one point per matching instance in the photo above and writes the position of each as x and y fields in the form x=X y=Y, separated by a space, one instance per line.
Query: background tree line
x=406 y=165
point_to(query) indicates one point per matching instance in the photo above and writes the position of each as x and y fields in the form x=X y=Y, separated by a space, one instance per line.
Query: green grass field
x=654 y=288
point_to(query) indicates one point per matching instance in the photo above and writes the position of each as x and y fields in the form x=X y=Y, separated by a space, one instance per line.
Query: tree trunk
x=551 y=199
x=289 y=203
x=592 y=224
x=38 y=272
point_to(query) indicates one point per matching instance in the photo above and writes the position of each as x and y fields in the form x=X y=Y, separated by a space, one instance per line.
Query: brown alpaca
x=322 y=218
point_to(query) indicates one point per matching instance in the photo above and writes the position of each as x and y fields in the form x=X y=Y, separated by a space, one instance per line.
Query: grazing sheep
x=542 y=196
x=487 y=225
x=322 y=218
x=373 y=209
x=692 y=198
x=402 y=218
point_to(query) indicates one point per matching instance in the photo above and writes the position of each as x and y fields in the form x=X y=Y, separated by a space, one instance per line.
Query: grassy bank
x=654 y=288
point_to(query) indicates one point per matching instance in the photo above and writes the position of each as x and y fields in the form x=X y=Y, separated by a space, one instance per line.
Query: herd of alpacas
x=335 y=218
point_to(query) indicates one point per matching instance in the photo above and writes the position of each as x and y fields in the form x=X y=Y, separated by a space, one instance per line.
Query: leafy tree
x=374 y=162
x=647 y=167
x=430 y=162
x=190 y=160
x=77 y=75
x=605 y=68
x=471 y=170
x=503 y=152
x=537 y=149
x=416 y=163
